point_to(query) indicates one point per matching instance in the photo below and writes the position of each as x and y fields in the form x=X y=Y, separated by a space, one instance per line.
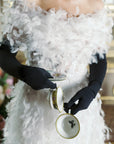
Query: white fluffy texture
x=66 y=45
x=32 y=121
x=63 y=42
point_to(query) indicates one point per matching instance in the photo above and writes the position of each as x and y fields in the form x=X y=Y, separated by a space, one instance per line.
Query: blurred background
x=107 y=90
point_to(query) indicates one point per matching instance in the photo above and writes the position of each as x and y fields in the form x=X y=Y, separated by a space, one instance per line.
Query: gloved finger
x=49 y=84
x=77 y=107
x=48 y=75
x=74 y=99
x=66 y=109
x=65 y=105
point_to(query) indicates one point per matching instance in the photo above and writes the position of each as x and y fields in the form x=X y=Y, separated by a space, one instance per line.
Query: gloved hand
x=87 y=94
x=37 y=78
x=84 y=97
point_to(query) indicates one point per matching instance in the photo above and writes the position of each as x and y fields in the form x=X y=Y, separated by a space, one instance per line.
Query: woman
x=65 y=39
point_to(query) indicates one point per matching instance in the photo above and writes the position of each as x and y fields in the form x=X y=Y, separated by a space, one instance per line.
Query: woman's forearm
x=9 y=63
x=97 y=73
x=35 y=77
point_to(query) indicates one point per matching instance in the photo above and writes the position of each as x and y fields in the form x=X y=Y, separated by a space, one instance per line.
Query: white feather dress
x=52 y=41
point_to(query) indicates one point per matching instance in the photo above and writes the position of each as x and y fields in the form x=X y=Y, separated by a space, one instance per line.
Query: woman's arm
x=97 y=73
x=8 y=62
x=35 y=77
x=87 y=94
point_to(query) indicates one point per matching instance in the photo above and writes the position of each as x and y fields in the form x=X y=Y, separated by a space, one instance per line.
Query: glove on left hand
x=85 y=96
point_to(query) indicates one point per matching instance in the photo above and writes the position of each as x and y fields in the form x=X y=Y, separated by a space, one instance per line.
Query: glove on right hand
x=36 y=77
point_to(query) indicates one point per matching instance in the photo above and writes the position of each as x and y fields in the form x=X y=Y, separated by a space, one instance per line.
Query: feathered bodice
x=53 y=41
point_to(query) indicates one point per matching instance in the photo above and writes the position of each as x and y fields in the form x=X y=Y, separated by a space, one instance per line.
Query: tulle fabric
x=67 y=45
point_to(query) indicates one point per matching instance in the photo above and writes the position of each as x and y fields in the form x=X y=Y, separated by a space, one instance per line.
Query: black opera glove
x=36 y=77
x=87 y=94
x=84 y=97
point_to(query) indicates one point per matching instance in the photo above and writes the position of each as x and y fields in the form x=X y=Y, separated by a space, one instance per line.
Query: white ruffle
x=32 y=121
x=67 y=45
x=62 y=41
x=88 y=31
